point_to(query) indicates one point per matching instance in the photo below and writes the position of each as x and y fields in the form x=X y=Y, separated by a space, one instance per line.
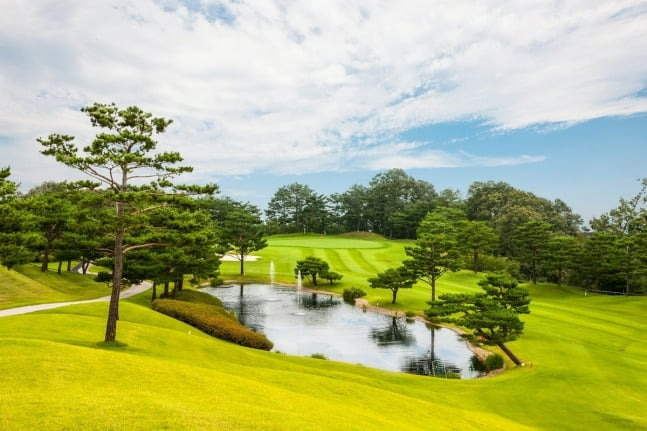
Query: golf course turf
x=584 y=355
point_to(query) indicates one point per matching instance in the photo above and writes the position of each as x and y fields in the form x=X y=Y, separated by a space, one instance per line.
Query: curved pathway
x=131 y=291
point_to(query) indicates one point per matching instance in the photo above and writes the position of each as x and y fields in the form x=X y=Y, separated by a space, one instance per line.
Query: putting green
x=325 y=242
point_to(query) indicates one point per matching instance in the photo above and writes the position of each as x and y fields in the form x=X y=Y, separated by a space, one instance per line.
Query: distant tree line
x=496 y=227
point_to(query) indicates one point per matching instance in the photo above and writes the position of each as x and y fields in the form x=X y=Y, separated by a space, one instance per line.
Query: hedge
x=208 y=319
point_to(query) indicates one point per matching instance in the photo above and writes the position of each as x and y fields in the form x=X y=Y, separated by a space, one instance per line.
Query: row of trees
x=131 y=217
x=393 y=204
x=497 y=227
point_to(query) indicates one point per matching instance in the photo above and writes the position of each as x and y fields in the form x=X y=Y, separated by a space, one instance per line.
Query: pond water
x=305 y=323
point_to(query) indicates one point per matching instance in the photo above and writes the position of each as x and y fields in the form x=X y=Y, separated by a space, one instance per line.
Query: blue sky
x=548 y=96
x=589 y=165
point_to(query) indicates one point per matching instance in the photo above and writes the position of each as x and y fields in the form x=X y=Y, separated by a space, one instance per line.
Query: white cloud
x=291 y=87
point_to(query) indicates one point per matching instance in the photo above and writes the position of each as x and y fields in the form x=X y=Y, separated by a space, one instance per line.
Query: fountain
x=299 y=290
x=272 y=273
x=272 y=281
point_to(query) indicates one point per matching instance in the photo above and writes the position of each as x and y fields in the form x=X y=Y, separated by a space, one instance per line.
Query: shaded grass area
x=27 y=285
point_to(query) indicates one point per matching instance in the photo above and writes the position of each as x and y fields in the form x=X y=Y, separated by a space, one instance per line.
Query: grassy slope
x=56 y=376
x=27 y=285
x=585 y=352
x=587 y=355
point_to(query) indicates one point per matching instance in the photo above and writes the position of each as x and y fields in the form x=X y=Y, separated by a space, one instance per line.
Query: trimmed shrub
x=410 y=314
x=453 y=375
x=352 y=293
x=318 y=356
x=493 y=362
x=210 y=320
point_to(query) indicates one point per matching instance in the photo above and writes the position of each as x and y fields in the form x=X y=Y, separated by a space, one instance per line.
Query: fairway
x=584 y=356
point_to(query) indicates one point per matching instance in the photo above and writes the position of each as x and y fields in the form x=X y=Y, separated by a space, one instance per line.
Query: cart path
x=131 y=291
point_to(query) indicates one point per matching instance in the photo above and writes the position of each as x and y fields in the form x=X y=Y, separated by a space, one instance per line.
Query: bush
x=489 y=263
x=453 y=375
x=410 y=314
x=318 y=356
x=493 y=362
x=352 y=293
x=210 y=320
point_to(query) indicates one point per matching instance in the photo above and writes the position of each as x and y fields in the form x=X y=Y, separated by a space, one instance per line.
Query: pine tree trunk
x=166 y=289
x=242 y=265
x=60 y=266
x=534 y=269
x=476 y=261
x=511 y=355
x=628 y=272
x=45 y=264
x=433 y=288
x=69 y=265
x=113 y=308
x=154 y=296
x=395 y=293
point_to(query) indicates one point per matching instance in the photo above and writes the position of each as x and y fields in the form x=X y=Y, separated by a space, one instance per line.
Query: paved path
x=134 y=290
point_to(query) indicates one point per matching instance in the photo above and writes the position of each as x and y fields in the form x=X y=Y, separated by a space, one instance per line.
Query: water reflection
x=394 y=332
x=318 y=301
x=320 y=323
x=429 y=364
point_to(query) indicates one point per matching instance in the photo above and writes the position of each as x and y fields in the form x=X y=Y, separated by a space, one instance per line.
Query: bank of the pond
x=364 y=304
x=348 y=333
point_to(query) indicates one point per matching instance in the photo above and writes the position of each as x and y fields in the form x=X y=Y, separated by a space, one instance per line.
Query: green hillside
x=27 y=284
x=585 y=367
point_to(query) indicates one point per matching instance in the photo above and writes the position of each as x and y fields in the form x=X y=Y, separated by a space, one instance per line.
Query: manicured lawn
x=585 y=368
x=356 y=258
x=26 y=285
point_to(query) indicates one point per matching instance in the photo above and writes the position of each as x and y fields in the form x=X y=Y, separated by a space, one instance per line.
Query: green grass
x=585 y=369
x=27 y=285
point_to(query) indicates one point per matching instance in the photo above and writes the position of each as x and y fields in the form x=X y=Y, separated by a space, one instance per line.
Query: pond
x=305 y=323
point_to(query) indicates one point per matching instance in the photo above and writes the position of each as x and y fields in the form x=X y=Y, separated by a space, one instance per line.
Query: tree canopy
x=120 y=156
x=492 y=316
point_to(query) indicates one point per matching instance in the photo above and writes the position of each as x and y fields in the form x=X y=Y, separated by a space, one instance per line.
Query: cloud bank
x=292 y=87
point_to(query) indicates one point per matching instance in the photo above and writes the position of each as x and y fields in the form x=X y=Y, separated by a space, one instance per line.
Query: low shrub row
x=210 y=320
x=352 y=293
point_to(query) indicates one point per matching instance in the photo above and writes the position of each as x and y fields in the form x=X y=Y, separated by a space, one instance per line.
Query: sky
x=549 y=96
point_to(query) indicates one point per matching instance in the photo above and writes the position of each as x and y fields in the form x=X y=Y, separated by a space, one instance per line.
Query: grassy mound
x=196 y=297
x=27 y=285
x=362 y=235
x=213 y=321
